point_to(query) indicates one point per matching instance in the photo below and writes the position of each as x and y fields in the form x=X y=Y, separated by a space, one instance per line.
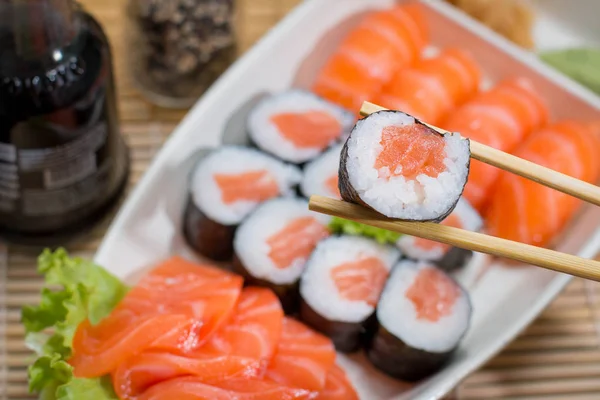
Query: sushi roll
x=274 y=243
x=420 y=319
x=321 y=174
x=342 y=283
x=225 y=187
x=296 y=125
x=403 y=169
x=444 y=256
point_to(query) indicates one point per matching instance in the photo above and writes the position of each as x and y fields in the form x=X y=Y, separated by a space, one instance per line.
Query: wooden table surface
x=558 y=357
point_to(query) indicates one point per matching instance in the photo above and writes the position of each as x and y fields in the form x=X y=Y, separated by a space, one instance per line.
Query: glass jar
x=178 y=48
x=63 y=162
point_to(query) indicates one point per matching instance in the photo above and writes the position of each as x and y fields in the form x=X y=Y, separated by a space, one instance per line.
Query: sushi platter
x=229 y=189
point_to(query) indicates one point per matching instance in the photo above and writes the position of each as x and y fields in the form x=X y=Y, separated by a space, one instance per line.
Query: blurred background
x=160 y=72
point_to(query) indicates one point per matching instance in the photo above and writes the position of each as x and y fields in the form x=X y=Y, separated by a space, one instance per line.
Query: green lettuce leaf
x=75 y=290
x=339 y=225
x=580 y=64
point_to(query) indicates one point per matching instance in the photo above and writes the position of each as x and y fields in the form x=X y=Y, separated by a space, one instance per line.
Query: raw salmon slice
x=254 y=329
x=235 y=389
x=175 y=307
x=311 y=129
x=337 y=386
x=295 y=242
x=528 y=212
x=141 y=371
x=361 y=280
x=303 y=357
x=453 y=221
x=409 y=151
x=433 y=294
x=255 y=186
x=332 y=185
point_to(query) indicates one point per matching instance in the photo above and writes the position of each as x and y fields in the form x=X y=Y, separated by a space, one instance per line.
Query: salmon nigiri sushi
x=527 y=212
x=434 y=86
x=341 y=286
x=274 y=243
x=383 y=43
x=501 y=118
x=226 y=186
x=421 y=318
x=402 y=168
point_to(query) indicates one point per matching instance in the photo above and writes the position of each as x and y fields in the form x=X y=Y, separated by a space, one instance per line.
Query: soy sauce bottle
x=63 y=162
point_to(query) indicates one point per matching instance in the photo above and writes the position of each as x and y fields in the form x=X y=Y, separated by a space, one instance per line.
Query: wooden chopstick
x=545 y=258
x=535 y=172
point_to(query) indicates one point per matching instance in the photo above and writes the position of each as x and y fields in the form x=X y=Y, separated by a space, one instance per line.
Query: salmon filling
x=433 y=294
x=296 y=241
x=360 y=280
x=254 y=186
x=409 y=151
x=311 y=129
x=332 y=184
x=424 y=244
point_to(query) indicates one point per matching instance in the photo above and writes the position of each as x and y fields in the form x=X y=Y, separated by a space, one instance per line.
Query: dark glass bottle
x=63 y=162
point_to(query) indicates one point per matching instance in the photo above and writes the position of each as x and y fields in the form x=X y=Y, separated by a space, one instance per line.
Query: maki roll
x=342 y=283
x=296 y=125
x=421 y=317
x=321 y=174
x=274 y=243
x=403 y=169
x=444 y=256
x=225 y=187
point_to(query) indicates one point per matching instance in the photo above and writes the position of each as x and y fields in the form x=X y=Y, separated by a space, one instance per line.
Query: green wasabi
x=580 y=64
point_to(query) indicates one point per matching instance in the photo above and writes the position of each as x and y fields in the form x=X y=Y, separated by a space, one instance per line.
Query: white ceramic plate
x=505 y=299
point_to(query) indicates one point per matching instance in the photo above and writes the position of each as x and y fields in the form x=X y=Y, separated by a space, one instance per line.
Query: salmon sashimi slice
x=410 y=151
x=190 y=388
x=294 y=243
x=141 y=371
x=310 y=129
x=332 y=184
x=337 y=386
x=204 y=292
x=130 y=338
x=360 y=280
x=528 y=212
x=176 y=307
x=501 y=118
x=254 y=329
x=255 y=186
x=303 y=357
x=430 y=245
x=433 y=294
x=411 y=17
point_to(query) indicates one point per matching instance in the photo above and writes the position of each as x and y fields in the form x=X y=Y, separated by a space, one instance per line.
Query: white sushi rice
x=318 y=288
x=206 y=194
x=397 y=314
x=469 y=219
x=318 y=171
x=422 y=198
x=268 y=137
x=250 y=242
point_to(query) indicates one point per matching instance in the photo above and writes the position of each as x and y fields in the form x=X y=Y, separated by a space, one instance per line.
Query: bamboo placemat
x=558 y=357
